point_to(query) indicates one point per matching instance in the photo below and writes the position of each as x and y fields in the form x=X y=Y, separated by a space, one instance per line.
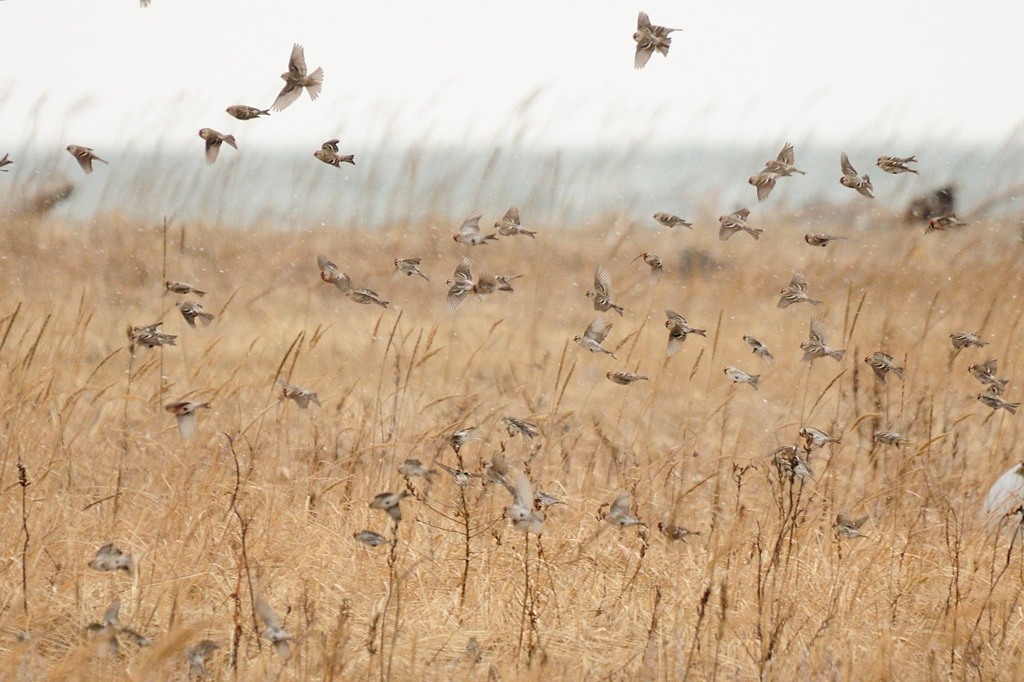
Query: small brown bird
x=881 y=364
x=330 y=273
x=213 y=142
x=110 y=558
x=674 y=532
x=411 y=468
x=735 y=222
x=782 y=166
x=896 y=164
x=992 y=399
x=182 y=288
x=367 y=297
x=861 y=184
x=246 y=113
x=594 y=336
x=463 y=436
x=815 y=438
x=148 y=336
x=6 y=161
x=763 y=182
x=328 y=153
x=368 y=537
x=524 y=517
x=985 y=372
x=302 y=397
x=670 y=220
x=816 y=345
x=625 y=378
x=820 y=239
x=601 y=294
x=296 y=79
x=410 y=267
x=738 y=376
x=889 y=438
x=795 y=292
x=84 y=156
x=759 y=349
x=655 y=264
x=515 y=425
x=620 y=512
x=845 y=527
x=649 y=38
x=509 y=225
x=469 y=232
x=961 y=340
x=790 y=465
x=504 y=282
x=273 y=630
x=943 y=223
x=185 y=412
x=389 y=502
x=678 y=330
x=191 y=311
x=460 y=285
x=460 y=476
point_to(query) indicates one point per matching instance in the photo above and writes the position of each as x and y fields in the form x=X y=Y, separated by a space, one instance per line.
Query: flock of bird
x=528 y=507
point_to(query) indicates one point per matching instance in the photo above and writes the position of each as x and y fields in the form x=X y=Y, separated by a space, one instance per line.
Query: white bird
x=1006 y=496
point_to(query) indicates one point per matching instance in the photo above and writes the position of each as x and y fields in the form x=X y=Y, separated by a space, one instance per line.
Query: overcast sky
x=106 y=73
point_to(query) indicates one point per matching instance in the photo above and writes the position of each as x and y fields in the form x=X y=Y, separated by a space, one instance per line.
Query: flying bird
x=738 y=376
x=463 y=436
x=84 y=156
x=192 y=311
x=594 y=336
x=816 y=345
x=620 y=513
x=389 y=502
x=763 y=182
x=759 y=349
x=735 y=222
x=213 y=141
x=411 y=468
x=183 y=288
x=515 y=425
x=246 y=113
x=185 y=412
x=985 y=372
x=369 y=538
x=148 y=336
x=670 y=220
x=521 y=512
x=896 y=164
x=366 y=296
x=820 y=239
x=649 y=38
x=460 y=285
x=273 y=630
x=410 y=267
x=961 y=340
x=678 y=330
x=655 y=264
x=795 y=292
x=302 y=397
x=881 y=364
x=330 y=273
x=815 y=438
x=782 y=166
x=992 y=399
x=601 y=294
x=469 y=232
x=889 y=438
x=943 y=223
x=328 y=153
x=6 y=161
x=509 y=225
x=296 y=80
x=861 y=184
x=110 y=558
x=846 y=527
x=625 y=378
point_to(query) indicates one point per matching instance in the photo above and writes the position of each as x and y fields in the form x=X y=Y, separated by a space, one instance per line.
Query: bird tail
x=230 y=139
x=350 y=158
x=1012 y=407
x=700 y=332
x=532 y=234
x=753 y=380
x=836 y=354
x=316 y=82
x=616 y=308
x=813 y=302
x=754 y=232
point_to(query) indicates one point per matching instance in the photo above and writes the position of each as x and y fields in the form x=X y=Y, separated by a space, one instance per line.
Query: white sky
x=105 y=73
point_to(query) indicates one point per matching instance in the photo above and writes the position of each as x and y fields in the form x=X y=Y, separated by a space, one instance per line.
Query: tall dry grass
x=265 y=500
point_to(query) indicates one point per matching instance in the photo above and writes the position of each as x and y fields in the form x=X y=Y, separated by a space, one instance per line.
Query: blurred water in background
x=388 y=186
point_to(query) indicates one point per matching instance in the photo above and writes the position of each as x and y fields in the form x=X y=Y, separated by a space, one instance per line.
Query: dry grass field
x=263 y=502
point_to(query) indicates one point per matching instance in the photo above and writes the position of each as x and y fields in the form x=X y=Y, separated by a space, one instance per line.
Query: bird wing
x=643 y=21
x=289 y=93
x=265 y=612
x=212 y=149
x=330 y=145
x=598 y=330
x=187 y=424
x=471 y=225
x=523 y=491
x=844 y=162
x=786 y=156
x=511 y=216
x=741 y=214
x=798 y=281
x=603 y=281
x=462 y=270
x=818 y=333
x=642 y=56
x=297 y=60
x=620 y=507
